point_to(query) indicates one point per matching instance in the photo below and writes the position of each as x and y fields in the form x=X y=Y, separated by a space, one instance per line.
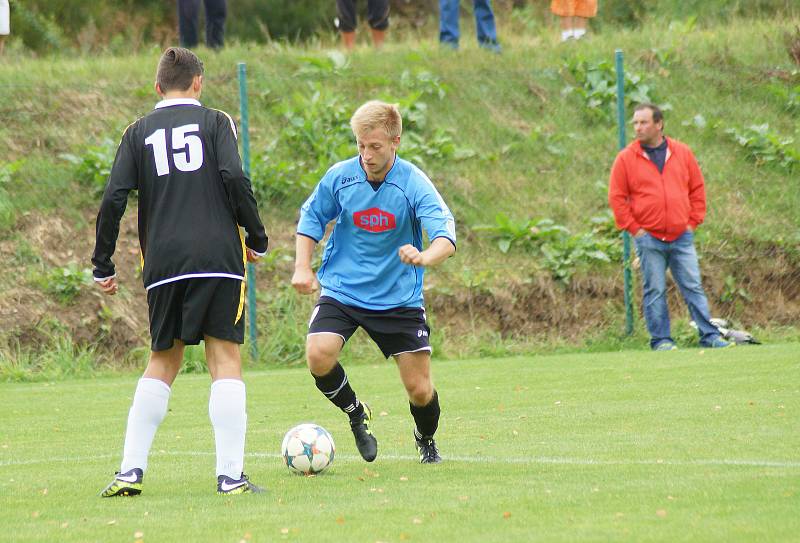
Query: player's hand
x=109 y=286
x=640 y=232
x=252 y=256
x=305 y=281
x=411 y=255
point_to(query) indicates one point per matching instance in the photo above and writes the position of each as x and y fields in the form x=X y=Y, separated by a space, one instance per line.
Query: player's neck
x=183 y=95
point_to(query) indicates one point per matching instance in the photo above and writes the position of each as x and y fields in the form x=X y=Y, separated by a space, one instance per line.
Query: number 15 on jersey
x=187 y=148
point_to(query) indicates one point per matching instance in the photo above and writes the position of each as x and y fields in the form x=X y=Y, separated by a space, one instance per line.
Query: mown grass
x=688 y=445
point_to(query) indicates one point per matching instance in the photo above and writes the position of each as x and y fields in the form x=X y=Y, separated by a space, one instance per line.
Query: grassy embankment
x=498 y=134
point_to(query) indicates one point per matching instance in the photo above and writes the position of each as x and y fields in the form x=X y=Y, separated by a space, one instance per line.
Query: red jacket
x=664 y=204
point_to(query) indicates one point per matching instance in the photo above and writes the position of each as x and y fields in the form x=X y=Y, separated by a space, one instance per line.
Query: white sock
x=578 y=33
x=566 y=34
x=147 y=411
x=226 y=409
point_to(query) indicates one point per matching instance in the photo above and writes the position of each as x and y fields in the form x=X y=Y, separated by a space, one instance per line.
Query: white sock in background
x=226 y=409
x=566 y=34
x=578 y=33
x=147 y=411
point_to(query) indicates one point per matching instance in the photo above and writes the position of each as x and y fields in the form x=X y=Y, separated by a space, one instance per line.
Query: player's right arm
x=304 y=280
x=318 y=210
x=123 y=178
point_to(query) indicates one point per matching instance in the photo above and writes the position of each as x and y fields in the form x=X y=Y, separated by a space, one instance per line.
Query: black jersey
x=193 y=196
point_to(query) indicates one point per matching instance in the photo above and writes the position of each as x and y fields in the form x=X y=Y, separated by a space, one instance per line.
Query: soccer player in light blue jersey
x=372 y=271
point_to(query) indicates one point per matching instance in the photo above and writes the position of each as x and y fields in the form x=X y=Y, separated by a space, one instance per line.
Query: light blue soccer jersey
x=361 y=266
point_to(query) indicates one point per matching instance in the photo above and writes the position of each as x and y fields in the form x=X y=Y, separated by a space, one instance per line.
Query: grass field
x=689 y=445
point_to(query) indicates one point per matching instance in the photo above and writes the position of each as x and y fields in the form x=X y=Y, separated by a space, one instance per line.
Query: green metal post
x=251 y=269
x=626 y=237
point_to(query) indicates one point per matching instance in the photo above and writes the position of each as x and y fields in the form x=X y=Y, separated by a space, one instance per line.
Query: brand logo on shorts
x=422 y=333
x=374 y=220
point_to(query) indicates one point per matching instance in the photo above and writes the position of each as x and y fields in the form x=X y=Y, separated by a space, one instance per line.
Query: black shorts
x=377 y=14
x=395 y=331
x=189 y=309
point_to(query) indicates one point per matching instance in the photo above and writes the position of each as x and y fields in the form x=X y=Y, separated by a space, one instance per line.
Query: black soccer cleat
x=428 y=453
x=124 y=484
x=365 y=441
x=230 y=487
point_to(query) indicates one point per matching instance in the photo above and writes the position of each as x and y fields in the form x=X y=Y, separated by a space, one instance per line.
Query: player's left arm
x=239 y=188
x=697 y=193
x=439 y=250
x=438 y=222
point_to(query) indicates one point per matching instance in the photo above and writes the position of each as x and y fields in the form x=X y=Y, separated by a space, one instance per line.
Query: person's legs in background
x=448 y=23
x=378 y=17
x=686 y=273
x=187 y=22
x=346 y=10
x=485 y=25
x=5 y=24
x=653 y=255
x=216 y=12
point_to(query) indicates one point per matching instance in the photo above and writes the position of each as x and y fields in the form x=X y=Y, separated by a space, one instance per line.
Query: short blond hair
x=376 y=114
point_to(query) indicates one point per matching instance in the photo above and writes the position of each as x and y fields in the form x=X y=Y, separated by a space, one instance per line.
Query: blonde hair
x=376 y=114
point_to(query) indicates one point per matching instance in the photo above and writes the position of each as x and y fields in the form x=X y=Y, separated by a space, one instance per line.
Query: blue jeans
x=655 y=256
x=484 y=23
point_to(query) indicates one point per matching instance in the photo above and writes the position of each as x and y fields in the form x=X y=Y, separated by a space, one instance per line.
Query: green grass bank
x=519 y=145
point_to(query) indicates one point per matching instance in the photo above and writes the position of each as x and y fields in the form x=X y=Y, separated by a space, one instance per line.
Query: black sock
x=337 y=389
x=426 y=417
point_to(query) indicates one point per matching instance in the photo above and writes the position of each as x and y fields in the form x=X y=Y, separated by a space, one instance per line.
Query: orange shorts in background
x=574 y=8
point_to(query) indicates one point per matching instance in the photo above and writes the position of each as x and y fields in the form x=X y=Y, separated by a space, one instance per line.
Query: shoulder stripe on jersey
x=436 y=192
x=193 y=276
x=233 y=124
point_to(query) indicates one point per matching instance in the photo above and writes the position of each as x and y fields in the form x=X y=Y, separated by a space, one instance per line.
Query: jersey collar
x=177 y=102
x=388 y=174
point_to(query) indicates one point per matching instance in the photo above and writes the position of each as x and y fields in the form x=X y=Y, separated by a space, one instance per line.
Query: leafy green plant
x=316 y=134
x=732 y=292
x=765 y=147
x=7 y=171
x=93 y=167
x=596 y=85
x=789 y=94
x=65 y=283
x=559 y=251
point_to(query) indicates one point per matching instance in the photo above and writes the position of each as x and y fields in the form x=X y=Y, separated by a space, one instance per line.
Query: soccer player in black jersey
x=183 y=160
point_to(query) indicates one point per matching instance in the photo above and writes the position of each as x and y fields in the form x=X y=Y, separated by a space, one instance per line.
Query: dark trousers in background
x=377 y=14
x=188 y=13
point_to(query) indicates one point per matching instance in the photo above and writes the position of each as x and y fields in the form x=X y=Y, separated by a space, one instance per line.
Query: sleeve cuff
x=448 y=238
x=102 y=279
x=309 y=236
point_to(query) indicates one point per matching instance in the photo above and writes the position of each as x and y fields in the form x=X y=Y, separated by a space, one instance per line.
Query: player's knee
x=320 y=361
x=420 y=391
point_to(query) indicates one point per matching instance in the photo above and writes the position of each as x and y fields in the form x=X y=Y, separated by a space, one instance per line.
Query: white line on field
x=532 y=460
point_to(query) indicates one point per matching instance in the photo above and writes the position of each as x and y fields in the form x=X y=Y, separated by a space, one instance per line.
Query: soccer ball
x=307 y=449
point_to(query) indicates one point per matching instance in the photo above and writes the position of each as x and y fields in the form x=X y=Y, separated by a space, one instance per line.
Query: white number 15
x=186 y=145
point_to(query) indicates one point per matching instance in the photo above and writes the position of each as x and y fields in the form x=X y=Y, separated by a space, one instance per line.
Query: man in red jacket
x=657 y=194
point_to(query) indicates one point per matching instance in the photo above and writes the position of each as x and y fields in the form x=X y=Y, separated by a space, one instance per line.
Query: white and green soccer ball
x=308 y=449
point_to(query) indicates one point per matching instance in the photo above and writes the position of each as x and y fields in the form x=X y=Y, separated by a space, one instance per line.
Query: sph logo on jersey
x=374 y=220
